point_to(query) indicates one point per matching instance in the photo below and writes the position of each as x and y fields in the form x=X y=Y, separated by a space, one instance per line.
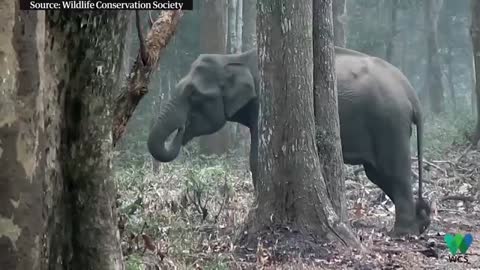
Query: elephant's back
x=372 y=81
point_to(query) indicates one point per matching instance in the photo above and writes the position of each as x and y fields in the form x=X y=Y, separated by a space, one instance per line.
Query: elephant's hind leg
x=395 y=175
x=393 y=179
x=374 y=176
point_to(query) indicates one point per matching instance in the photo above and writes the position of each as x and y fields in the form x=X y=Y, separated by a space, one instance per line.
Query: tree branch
x=139 y=77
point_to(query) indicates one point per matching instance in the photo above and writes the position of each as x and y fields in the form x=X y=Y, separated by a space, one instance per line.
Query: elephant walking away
x=377 y=108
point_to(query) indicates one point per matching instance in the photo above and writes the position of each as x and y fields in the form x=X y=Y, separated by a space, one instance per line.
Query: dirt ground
x=178 y=241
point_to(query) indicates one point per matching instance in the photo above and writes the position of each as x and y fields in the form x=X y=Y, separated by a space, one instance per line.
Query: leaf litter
x=160 y=224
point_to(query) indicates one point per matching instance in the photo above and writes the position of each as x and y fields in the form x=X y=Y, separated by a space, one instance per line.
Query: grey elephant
x=377 y=108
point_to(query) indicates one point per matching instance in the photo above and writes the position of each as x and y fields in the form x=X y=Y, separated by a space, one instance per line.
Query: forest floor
x=187 y=218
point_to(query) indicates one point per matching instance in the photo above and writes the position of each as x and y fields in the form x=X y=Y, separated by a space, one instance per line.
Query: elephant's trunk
x=171 y=118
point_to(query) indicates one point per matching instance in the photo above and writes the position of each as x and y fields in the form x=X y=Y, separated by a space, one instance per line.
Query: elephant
x=377 y=108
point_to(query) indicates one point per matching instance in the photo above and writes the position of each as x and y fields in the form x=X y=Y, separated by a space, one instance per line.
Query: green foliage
x=217 y=265
x=443 y=131
x=165 y=206
x=134 y=262
x=207 y=185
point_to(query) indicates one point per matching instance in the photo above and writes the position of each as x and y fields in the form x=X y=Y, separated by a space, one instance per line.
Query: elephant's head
x=214 y=90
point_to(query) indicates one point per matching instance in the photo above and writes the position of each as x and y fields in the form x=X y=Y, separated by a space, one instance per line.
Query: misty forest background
x=430 y=44
x=86 y=203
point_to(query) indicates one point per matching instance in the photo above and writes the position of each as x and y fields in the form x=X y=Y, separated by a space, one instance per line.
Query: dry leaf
x=148 y=242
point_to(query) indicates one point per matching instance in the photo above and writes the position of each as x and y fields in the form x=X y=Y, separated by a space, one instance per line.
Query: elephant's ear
x=239 y=88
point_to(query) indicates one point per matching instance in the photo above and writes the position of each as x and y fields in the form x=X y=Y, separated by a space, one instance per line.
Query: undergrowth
x=188 y=212
x=443 y=131
x=180 y=209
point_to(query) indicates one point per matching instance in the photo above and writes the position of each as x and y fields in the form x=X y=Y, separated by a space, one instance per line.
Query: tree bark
x=232 y=26
x=88 y=83
x=451 y=85
x=290 y=190
x=326 y=106
x=393 y=31
x=55 y=137
x=22 y=224
x=249 y=24
x=239 y=25
x=214 y=30
x=339 y=11
x=475 y=32
x=434 y=80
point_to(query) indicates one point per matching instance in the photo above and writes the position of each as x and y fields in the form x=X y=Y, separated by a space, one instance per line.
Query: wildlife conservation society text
x=105 y=4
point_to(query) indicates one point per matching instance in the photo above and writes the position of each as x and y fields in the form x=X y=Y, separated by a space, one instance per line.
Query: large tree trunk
x=290 y=189
x=22 y=144
x=475 y=32
x=339 y=14
x=326 y=107
x=434 y=80
x=89 y=80
x=213 y=32
x=55 y=137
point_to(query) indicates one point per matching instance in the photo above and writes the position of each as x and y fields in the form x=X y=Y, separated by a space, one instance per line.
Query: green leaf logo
x=458 y=242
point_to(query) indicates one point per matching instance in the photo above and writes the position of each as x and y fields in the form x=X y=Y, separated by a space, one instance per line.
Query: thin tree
x=326 y=106
x=249 y=25
x=339 y=14
x=291 y=189
x=393 y=31
x=434 y=82
x=213 y=32
x=475 y=32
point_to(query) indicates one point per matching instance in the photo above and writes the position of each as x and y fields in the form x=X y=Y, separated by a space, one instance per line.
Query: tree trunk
x=474 y=83
x=339 y=13
x=231 y=26
x=249 y=24
x=126 y=62
x=22 y=143
x=290 y=190
x=55 y=137
x=475 y=32
x=239 y=25
x=87 y=85
x=326 y=107
x=434 y=80
x=214 y=29
x=156 y=105
x=451 y=85
x=393 y=31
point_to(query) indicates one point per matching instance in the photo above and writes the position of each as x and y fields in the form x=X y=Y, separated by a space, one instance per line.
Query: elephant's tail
x=419 y=123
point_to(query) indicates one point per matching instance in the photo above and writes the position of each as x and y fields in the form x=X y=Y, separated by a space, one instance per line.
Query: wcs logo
x=460 y=243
